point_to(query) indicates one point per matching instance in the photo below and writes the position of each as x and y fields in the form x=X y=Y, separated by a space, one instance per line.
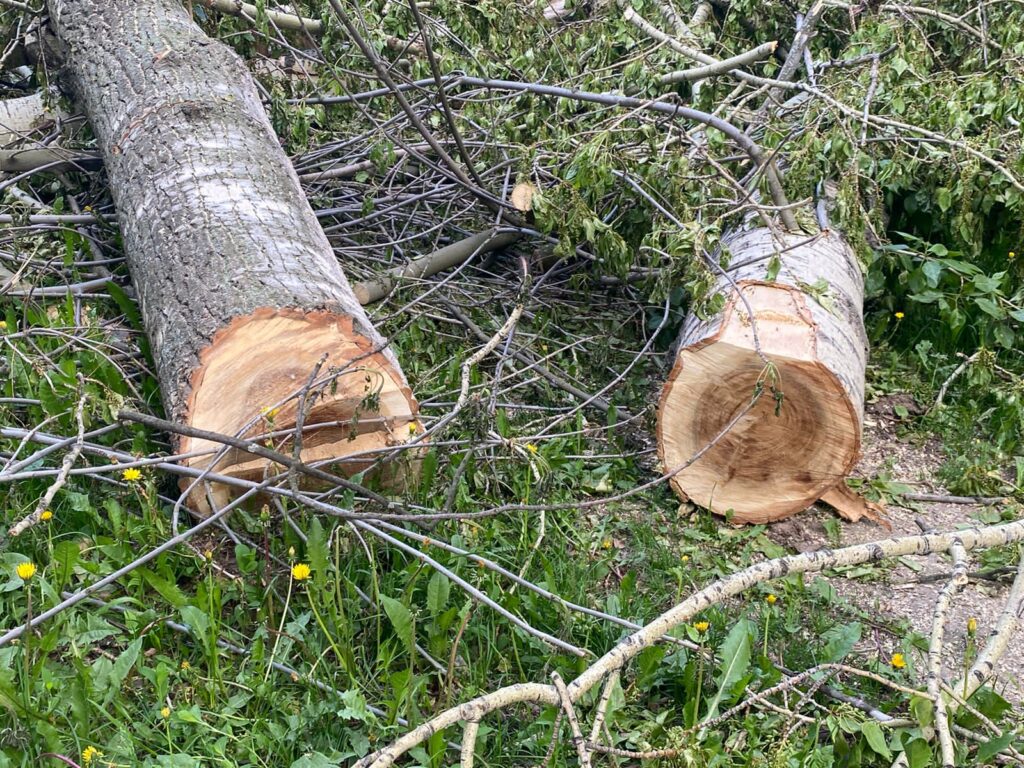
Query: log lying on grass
x=787 y=451
x=240 y=291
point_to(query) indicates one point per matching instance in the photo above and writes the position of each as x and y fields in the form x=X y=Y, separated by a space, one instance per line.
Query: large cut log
x=240 y=291
x=802 y=435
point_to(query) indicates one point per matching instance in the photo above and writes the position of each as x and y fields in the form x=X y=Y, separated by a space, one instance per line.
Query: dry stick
x=85 y=592
x=951 y=378
x=414 y=118
x=468 y=743
x=369 y=291
x=998 y=640
x=941 y=498
x=300 y=419
x=69 y=459
x=442 y=95
x=519 y=580
x=748 y=145
x=574 y=724
x=253 y=447
x=277 y=18
x=636 y=19
x=968 y=539
x=468 y=588
x=996 y=731
x=602 y=706
x=800 y=42
x=957 y=580
x=50 y=159
x=523 y=357
x=762 y=51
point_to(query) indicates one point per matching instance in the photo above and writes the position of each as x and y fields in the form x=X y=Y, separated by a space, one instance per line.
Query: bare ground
x=892 y=591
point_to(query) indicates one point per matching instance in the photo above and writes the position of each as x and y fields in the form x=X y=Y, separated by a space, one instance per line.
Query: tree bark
x=802 y=436
x=240 y=292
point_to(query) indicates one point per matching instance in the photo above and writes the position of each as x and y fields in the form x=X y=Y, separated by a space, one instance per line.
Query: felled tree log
x=802 y=436
x=240 y=292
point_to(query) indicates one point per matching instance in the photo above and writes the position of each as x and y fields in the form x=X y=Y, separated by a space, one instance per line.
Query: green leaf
x=121 y=667
x=989 y=307
x=314 y=760
x=65 y=555
x=993 y=747
x=839 y=641
x=923 y=711
x=196 y=620
x=875 y=738
x=401 y=620
x=168 y=590
x=437 y=593
x=316 y=547
x=735 y=654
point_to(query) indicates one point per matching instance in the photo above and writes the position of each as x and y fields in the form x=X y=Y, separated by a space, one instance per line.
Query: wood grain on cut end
x=769 y=465
x=267 y=357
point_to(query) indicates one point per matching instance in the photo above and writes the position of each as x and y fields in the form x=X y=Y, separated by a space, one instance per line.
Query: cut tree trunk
x=802 y=435
x=240 y=291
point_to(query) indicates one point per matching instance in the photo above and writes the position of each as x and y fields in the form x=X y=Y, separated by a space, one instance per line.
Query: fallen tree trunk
x=240 y=291
x=799 y=341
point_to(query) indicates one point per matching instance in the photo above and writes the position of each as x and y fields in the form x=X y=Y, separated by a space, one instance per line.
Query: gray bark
x=214 y=220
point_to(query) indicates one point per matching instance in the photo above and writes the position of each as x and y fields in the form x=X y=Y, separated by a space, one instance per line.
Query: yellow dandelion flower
x=606 y=543
x=531 y=447
x=3 y=325
x=972 y=625
x=131 y=475
x=208 y=555
x=900 y=315
x=898 y=661
x=26 y=570
x=685 y=558
x=702 y=626
x=269 y=413
x=412 y=427
x=1012 y=255
x=165 y=713
x=185 y=666
x=90 y=753
x=771 y=599
x=46 y=515
x=300 y=571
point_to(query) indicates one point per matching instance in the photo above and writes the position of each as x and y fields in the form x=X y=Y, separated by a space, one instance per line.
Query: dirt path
x=893 y=591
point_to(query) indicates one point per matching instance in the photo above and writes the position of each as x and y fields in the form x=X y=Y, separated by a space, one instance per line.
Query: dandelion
x=185 y=666
x=972 y=625
x=300 y=571
x=89 y=753
x=46 y=515
x=131 y=475
x=26 y=570
x=3 y=325
x=606 y=543
x=208 y=555
x=531 y=447
x=165 y=713
x=1012 y=255
x=685 y=558
x=771 y=599
x=412 y=428
x=269 y=413
x=900 y=315
x=702 y=626
x=897 y=661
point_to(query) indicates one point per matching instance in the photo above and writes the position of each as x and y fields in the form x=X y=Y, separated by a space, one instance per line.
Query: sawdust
x=892 y=592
